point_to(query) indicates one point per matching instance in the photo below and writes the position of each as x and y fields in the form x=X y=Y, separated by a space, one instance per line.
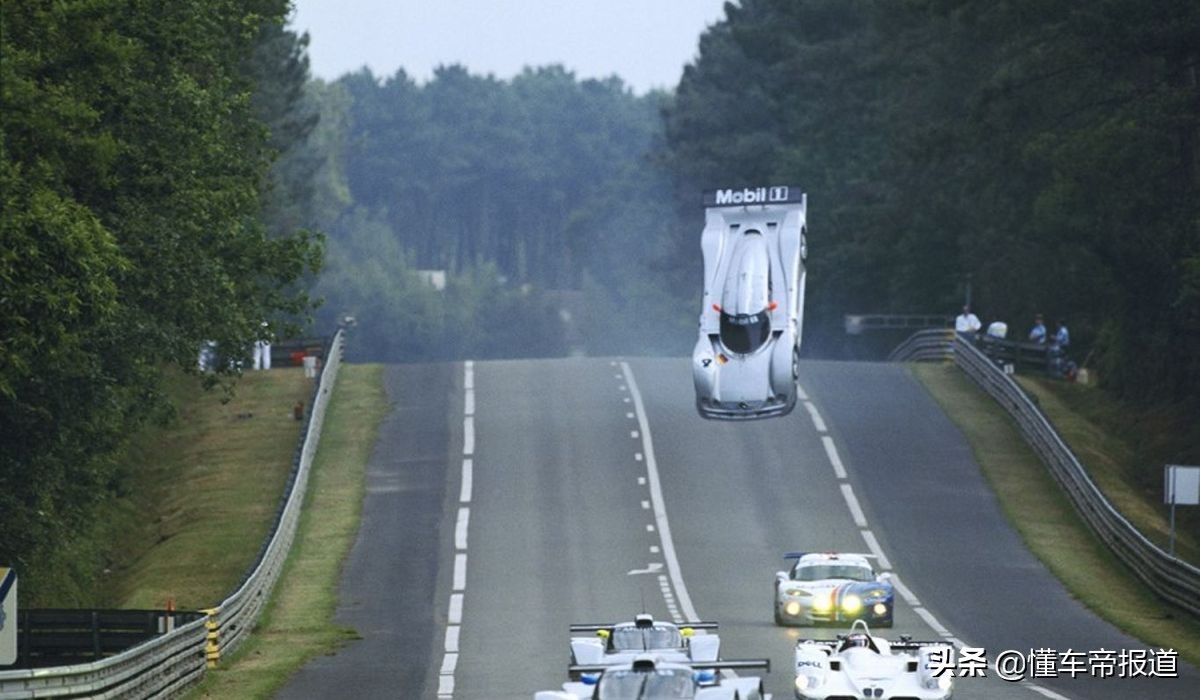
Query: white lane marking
x=460 y=572
x=818 y=422
x=452 y=638
x=454 y=614
x=656 y=499
x=856 y=510
x=633 y=434
x=449 y=663
x=905 y=592
x=469 y=403
x=873 y=545
x=641 y=481
x=629 y=415
x=445 y=686
x=800 y=394
x=623 y=388
x=464 y=494
x=932 y=621
x=617 y=376
x=1046 y=692
x=649 y=528
x=654 y=549
x=626 y=399
x=652 y=568
x=831 y=451
x=637 y=456
x=460 y=528
x=469 y=435
x=645 y=505
x=469 y=374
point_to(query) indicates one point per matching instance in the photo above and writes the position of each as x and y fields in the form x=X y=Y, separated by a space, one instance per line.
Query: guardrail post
x=212 y=648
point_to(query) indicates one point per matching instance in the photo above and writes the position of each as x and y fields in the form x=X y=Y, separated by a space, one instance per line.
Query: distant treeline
x=136 y=143
x=536 y=195
x=1048 y=153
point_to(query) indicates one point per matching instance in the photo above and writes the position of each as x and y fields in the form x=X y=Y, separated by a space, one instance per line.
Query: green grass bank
x=1047 y=522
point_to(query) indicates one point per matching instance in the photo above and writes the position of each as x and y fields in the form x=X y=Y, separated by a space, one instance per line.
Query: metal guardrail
x=166 y=664
x=1171 y=578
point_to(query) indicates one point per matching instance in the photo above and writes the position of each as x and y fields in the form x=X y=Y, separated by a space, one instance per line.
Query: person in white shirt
x=967 y=322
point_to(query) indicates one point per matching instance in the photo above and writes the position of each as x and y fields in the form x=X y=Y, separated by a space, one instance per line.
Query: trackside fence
x=168 y=663
x=1173 y=579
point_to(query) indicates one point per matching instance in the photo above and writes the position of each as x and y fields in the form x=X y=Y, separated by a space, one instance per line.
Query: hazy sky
x=645 y=42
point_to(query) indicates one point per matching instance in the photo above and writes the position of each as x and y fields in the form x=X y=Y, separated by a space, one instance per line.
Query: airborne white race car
x=648 y=677
x=861 y=665
x=621 y=642
x=745 y=365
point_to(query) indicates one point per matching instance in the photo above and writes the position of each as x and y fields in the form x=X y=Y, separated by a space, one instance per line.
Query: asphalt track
x=507 y=500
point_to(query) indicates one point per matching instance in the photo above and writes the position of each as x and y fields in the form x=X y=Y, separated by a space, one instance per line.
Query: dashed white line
x=633 y=434
x=873 y=545
x=645 y=505
x=818 y=422
x=656 y=499
x=856 y=510
x=469 y=403
x=831 y=451
x=464 y=493
x=629 y=415
x=454 y=614
x=637 y=456
x=449 y=663
x=469 y=435
x=445 y=686
x=800 y=393
x=654 y=549
x=460 y=572
x=649 y=528
x=469 y=374
x=460 y=528
x=641 y=481
x=931 y=621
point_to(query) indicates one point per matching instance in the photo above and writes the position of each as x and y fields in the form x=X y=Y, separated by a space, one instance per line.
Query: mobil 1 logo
x=733 y=197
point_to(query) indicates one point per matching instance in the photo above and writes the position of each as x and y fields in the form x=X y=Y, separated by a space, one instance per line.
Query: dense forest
x=536 y=196
x=1047 y=153
x=137 y=139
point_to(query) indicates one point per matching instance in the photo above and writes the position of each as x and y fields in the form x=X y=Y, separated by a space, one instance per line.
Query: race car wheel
x=795 y=365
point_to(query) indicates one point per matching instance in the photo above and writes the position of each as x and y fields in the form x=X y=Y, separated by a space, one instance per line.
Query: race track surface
x=509 y=499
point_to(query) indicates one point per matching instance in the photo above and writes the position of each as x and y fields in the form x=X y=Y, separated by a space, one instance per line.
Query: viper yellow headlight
x=880 y=609
x=852 y=604
x=823 y=602
x=792 y=608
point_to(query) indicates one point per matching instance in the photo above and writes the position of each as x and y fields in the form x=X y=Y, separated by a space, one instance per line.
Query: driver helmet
x=858 y=639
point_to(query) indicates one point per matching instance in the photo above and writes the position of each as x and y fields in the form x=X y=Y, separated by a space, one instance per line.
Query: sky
x=645 y=42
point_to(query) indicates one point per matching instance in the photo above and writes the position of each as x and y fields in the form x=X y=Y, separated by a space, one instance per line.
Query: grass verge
x=297 y=624
x=199 y=502
x=1124 y=449
x=1045 y=519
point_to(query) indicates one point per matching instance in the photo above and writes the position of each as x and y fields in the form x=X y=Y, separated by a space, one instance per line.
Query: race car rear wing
x=797 y=555
x=740 y=664
x=596 y=627
x=902 y=644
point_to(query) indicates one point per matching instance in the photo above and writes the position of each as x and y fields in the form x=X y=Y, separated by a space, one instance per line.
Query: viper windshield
x=745 y=333
x=820 y=572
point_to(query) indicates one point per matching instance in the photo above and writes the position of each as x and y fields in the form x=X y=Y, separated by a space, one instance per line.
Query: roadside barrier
x=164 y=665
x=1171 y=578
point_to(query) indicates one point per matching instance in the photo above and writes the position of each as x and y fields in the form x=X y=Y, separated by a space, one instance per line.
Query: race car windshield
x=639 y=685
x=820 y=572
x=646 y=639
x=745 y=333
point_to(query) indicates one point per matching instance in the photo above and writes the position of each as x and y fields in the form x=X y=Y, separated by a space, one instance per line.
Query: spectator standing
x=967 y=322
x=1062 y=337
x=1037 y=334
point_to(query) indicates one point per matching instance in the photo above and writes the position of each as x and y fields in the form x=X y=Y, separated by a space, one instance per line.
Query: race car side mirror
x=781 y=575
x=885 y=576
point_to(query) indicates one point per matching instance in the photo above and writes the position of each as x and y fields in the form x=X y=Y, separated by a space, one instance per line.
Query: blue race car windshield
x=745 y=333
x=646 y=639
x=820 y=572
x=641 y=685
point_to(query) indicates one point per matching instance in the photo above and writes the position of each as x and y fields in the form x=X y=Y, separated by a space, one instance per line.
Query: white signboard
x=8 y=616
x=1182 y=485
